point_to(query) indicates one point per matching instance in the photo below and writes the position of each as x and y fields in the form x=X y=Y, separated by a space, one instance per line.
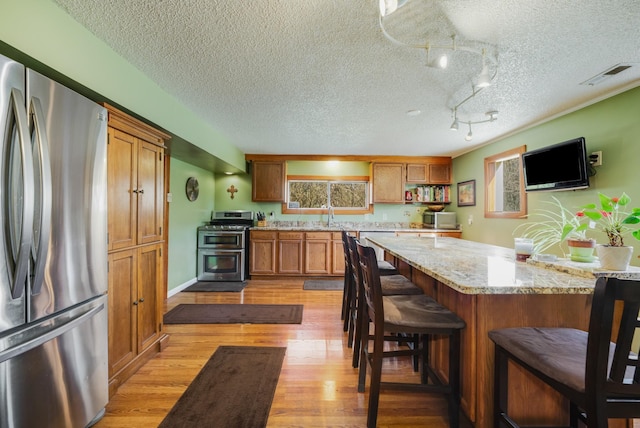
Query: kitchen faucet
x=329 y=215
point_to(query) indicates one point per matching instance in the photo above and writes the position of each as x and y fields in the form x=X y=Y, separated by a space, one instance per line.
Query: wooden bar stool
x=348 y=294
x=391 y=285
x=412 y=315
x=600 y=378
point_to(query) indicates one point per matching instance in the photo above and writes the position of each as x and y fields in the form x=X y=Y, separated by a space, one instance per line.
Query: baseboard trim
x=179 y=288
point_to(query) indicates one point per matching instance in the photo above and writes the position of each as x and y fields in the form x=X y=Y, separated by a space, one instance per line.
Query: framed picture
x=467 y=193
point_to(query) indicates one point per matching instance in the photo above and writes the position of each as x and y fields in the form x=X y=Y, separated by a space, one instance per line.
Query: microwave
x=439 y=220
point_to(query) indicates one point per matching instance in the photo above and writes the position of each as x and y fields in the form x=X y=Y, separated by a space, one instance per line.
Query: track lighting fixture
x=439 y=53
x=470 y=134
x=493 y=116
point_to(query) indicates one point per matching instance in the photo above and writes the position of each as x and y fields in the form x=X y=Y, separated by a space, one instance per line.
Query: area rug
x=234 y=314
x=323 y=284
x=217 y=286
x=235 y=388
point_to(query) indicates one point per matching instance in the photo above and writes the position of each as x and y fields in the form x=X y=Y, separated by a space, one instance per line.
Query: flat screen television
x=560 y=166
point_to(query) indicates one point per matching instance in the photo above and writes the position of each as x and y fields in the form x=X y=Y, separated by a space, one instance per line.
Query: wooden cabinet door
x=150 y=188
x=290 y=253
x=417 y=173
x=268 y=181
x=388 y=183
x=122 y=171
x=262 y=253
x=149 y=301
x=337 y=254
x=122 y=311
x=440 y=173
x=317 y=257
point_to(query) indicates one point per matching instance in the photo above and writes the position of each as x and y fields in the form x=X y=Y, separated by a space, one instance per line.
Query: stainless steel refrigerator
x=53 y=253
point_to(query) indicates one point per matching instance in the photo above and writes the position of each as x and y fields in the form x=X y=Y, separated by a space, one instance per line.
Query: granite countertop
x=475 y=268
x=356 y=226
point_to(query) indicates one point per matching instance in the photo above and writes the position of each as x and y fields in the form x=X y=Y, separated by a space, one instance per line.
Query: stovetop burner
x=229 y=220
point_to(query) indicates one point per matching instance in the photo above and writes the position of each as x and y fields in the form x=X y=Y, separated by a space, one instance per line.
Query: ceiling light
x=470 y=134
x=387 y=7
x=413 y=112
x=455 y=125
x=484 y=79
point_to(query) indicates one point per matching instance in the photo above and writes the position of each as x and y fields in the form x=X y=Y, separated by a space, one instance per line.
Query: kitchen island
x=486 y=287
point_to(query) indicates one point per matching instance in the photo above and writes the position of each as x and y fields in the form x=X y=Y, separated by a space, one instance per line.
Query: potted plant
x=616 y=223
x=555 y=226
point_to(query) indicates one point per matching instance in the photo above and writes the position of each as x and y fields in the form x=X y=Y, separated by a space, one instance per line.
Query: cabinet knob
x=141 y=191
x=135 y=303
x=141 y=299
x=135 y=190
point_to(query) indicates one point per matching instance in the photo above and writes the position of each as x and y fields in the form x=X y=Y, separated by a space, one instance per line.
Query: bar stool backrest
x=621 y=376
x=371 y=283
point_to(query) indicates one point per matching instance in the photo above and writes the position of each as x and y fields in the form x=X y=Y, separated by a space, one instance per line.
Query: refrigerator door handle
x=20 y=240
x=42 y=173
x=25 y=341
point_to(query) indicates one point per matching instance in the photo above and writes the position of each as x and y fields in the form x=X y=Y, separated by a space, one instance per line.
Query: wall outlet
x=384 y=217
x=598 y=161
x=169 y=197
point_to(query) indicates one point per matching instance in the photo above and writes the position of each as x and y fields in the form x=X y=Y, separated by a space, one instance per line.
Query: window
x=310 y=195
x=504 y=185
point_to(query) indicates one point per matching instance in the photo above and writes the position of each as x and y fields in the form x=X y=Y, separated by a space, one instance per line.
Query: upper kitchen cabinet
x=268 y=180
x=435 y=170
x=388 y=183
x=135 y=164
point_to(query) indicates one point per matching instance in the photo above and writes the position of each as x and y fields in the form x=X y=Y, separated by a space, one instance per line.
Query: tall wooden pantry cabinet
x=135 y=165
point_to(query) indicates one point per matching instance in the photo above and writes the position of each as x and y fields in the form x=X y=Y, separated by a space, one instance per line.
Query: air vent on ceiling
x=601 y=77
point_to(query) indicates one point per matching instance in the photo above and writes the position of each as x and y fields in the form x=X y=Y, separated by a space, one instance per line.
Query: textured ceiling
x=319 y=77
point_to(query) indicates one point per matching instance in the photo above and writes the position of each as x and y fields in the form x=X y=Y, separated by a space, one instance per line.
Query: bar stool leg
x=454 y=379
x=500 y=387
x=376 y=377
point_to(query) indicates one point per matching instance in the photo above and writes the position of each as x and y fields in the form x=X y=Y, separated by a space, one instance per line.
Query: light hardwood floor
x=317 y=386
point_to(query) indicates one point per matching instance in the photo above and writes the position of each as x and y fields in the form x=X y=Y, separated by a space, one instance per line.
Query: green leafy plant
x=612 y=219
x=553 y=226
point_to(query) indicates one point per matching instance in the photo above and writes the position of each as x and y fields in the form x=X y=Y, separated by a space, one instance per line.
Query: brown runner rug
x=234 y=314
x=235 y=388
x=323 y=284
x=217 y=286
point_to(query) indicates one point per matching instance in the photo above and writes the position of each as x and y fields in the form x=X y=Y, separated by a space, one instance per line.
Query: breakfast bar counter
x=486 y=287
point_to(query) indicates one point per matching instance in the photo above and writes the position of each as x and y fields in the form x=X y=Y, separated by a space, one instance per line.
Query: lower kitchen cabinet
x=317 y=253
x=337 y=259
x=296 y=253
x=135 y=310
x=290 y=253
x=263 y=252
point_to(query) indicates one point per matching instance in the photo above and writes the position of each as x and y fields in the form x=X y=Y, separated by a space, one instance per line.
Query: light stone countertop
x=475 y=268
x=317 y=226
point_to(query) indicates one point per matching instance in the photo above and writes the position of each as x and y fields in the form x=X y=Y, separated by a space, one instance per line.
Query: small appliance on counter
x=439 y=220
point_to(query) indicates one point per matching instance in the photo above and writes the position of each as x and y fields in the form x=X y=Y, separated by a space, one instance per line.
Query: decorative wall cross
x=232 y=190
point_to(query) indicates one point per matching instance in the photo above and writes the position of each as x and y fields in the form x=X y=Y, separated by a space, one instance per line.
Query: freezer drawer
x=54 y=374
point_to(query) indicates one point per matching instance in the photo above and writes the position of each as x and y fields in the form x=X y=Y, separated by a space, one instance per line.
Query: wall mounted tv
x=562 y=166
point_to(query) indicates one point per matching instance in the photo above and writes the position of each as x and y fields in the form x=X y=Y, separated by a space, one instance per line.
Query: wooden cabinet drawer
x=318 y=235
x=263 y=234
x=290 y=235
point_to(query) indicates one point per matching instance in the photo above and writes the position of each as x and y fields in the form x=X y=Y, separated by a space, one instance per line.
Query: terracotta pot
x=581 y=250
x=614 y=258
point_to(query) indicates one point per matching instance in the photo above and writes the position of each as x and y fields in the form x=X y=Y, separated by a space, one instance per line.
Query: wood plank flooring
x=317 y=386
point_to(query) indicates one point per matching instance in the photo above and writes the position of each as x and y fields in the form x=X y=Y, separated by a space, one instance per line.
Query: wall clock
x=192 y=189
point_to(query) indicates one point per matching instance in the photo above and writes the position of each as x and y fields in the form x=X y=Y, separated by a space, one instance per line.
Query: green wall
x=611 y=126
x=184 y=217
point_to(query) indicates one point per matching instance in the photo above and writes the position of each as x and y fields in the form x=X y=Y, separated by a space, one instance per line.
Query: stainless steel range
x=223 y=246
